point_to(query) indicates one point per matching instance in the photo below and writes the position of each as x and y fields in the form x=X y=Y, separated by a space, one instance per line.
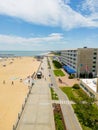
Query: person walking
x=3 y=81
x=12 y=83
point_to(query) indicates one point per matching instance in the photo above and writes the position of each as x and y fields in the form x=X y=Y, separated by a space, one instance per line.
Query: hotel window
x=95 y=53
x=94 y=66
x=94 y=62
x=94 y=57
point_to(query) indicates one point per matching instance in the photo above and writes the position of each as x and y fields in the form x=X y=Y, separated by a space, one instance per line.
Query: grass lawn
x=53 y=94
x=87 y=112
x=58 y=72
x=86 y=128
x=68 y=91
x=74 y=94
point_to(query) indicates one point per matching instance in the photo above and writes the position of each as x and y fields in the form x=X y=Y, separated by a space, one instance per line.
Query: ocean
x=22 y=53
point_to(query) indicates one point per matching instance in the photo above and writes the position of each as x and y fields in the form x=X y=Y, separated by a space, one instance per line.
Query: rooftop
x=91 y=83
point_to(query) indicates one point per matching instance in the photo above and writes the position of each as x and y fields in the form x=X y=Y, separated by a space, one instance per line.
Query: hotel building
x=90 y=86
x=82 y=61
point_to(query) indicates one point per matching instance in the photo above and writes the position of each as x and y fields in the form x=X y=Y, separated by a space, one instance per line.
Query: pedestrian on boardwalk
x=3 y=81
x=20 y=80
x=12 y=83
x=29 y=81
x=49 y=75
x=51 y=84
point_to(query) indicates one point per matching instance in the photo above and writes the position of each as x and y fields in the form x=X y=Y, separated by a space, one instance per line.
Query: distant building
x=82 y=61
x=57 y=58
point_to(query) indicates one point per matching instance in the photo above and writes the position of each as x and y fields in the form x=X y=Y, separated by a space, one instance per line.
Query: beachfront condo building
x=83 y=62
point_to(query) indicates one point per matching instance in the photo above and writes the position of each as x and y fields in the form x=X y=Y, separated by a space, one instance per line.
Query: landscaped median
x=58 y=117
x=48 y=62
x=54 y=96
x=84 y=107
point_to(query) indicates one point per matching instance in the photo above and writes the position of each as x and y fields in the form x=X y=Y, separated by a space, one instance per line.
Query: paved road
x=70 y=118
x=38 y=112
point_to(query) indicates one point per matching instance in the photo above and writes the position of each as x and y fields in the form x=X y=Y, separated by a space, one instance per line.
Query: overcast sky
x=48 y=24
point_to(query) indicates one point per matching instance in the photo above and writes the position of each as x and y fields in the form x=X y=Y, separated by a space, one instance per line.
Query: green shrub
x=95 y=127
x=58 y=121
x=87 y=114
x=71 y=76
x=57 y=64
x=49 y=66
x=54 y=96
x=76 y=86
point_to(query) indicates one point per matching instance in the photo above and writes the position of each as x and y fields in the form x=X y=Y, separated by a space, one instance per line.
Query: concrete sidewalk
x=38 y=112
x=70 y=118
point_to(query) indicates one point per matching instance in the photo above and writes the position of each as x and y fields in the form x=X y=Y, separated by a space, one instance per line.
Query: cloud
x=52 y=41
x=91 y=5
x=9 y=39
x=67 y=1
x=46 y=12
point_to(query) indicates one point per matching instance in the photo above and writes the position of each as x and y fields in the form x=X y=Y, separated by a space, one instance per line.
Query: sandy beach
x=12 y=95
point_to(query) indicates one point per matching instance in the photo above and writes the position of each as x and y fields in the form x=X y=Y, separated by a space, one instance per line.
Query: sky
x=48 y=24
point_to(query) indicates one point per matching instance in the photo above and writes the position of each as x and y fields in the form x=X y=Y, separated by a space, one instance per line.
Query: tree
x=76 y=86
x=95 y=127
x=57 y=64
x=87 y=113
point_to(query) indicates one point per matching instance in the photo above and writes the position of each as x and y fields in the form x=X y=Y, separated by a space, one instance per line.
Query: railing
x=23 y=106
x=25 y=101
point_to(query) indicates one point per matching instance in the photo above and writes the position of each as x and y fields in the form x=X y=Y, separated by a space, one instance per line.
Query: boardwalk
x=38 y=112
